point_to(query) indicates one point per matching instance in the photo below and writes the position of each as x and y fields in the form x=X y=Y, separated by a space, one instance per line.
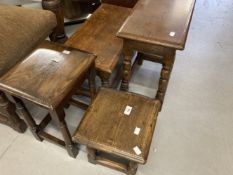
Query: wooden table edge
x=110 y=150
x=126 y=36
x=22 y=95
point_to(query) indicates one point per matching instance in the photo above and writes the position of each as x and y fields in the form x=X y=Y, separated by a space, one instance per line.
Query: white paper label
x=88 y=16
x=67 y=52
x=172 y=34
x=56 y=60
x=137 y=150
x=128 y=110
x=137 y=131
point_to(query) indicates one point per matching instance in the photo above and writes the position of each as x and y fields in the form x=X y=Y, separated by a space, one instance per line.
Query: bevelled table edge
x=108 y=149
x=134 y=38
x=20 y=94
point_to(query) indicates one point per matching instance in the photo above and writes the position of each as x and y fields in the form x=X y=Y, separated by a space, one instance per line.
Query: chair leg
x=168 y=62
x=58 y=34
x=8 y=115
x=58 y=115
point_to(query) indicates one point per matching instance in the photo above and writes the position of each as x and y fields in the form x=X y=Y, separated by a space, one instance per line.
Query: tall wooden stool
x=117 y=129
x=156 y=29
x=48 y=78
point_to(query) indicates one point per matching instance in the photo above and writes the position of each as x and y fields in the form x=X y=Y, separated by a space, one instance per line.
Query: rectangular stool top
x=47 y=75
x=119 y=123
x=98 y=36
x=161 y=22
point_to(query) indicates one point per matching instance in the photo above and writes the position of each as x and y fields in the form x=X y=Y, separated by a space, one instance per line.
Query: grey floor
x=193 y=135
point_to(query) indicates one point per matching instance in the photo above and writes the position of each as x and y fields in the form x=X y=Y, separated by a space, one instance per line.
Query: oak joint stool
x=98 y=36
x=155 y=29
x=49 y=77
x=117 y=129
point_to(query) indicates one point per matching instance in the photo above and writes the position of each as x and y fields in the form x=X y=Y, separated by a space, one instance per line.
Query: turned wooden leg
x=168 y=62
x=23 y=112
x=127 y=53
x=55 y=6
x=8 y=115
x=91 y=82
x=139 y=59
x=58 y=115
x=132 y=168
x=91 y=155
x=105 y=78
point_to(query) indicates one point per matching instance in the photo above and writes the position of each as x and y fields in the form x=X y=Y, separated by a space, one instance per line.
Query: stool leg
x=139 y=59
x=168 y=62
x=128 y=53
x=23 y=112
x=105 y=79
x=59 y=116
x=91 y=155
x=9 y=116
x=91 y=82
x=132 y=168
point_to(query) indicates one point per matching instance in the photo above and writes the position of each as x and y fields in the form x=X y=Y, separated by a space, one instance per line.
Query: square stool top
x=48 y=74
x=107 y=128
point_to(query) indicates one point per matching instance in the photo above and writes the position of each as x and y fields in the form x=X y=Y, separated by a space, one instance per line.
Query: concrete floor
x=194 y=131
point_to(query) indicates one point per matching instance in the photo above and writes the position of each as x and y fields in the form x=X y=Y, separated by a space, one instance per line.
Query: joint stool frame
x=159 y=54
x=58 y=115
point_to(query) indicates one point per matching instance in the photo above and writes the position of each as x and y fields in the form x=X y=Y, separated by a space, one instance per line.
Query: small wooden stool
x=117 y=129
x=49 y=77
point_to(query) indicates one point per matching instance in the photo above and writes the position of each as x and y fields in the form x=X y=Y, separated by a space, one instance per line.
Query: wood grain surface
x=164 y=22
x=47 y=76
x=98 y=36
x=105 y=127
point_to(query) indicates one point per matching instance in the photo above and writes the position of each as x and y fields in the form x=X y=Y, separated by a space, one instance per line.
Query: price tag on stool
x=137 y=150
x=172 y=34
x=137 y=131
x=67 y=52
x=56 y=60
x=128 y=110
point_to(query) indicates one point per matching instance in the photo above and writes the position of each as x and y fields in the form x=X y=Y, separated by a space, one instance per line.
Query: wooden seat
x=113 y=138
x=49 y=77
x=98 y=36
